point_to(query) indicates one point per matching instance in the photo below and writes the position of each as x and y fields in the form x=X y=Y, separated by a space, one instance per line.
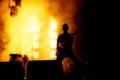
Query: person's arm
x=57 y=46
x=72 y=40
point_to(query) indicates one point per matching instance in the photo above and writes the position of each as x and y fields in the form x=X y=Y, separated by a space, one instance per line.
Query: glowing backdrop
x=35 y=28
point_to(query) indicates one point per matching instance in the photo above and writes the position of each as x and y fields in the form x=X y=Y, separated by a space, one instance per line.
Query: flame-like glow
x=53 y=44
x=36 y=36
x=35 y=45
x=53 y=24
x=37 y=21
x=36 y=54
x=35 y=28
x=53 y=35
x=52 y=54
x=28 y=31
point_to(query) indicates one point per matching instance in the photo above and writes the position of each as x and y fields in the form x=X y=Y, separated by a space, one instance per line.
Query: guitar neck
x=75 y=32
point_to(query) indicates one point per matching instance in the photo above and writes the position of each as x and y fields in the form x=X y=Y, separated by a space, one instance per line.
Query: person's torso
x=66 y=41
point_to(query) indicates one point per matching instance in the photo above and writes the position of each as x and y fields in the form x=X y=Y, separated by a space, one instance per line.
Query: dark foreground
x=37 y=70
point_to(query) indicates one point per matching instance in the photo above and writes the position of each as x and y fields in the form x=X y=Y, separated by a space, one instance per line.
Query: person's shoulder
x=70 y=34
x=61 y=34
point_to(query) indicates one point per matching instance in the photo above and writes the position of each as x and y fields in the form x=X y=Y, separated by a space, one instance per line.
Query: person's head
x=65 y=27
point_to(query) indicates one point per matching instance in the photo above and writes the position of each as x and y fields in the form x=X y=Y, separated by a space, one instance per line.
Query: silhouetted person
x=64 y=46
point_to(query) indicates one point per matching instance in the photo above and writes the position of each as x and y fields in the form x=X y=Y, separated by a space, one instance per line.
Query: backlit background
x=34 y=30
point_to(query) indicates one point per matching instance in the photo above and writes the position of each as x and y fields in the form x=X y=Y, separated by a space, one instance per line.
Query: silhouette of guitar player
x=64 y=46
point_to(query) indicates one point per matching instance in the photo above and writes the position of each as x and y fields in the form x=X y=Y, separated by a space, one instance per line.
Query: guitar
x=60 y=45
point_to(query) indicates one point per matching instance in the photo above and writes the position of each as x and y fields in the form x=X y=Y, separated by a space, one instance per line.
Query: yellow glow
x=53 y=44
x=28 y=31
x=53 y=35
x=52 y=54
x=36 y=36
x=36 y=28
x=12 y=2
x=36 y=54
x=35 y=45
x=53 y=24
x=36 y=21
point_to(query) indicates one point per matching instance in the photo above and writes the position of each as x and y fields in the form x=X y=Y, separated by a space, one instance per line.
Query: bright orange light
x=52 y=54
x=53 y=35
x=35 y=45
x=36 y=36
x=32 y=31
x=36 y=21
x=36 y=28
x=53 y=24
x=36 y=54
x=53 y=44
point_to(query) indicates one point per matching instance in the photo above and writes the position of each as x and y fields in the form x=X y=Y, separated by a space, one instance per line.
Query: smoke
x=3 y=34
x=67 y=11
